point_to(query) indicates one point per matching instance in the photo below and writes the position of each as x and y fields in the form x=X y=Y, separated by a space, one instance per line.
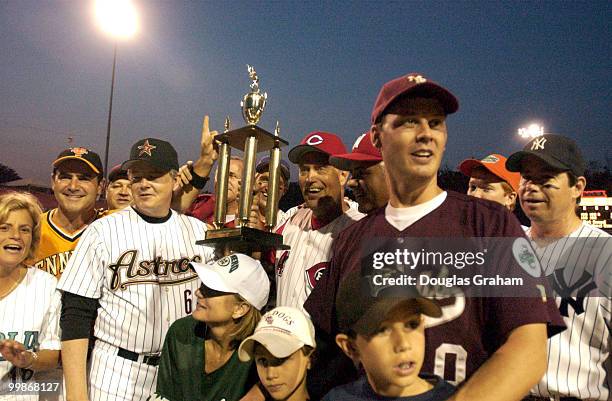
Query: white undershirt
x=404 y=217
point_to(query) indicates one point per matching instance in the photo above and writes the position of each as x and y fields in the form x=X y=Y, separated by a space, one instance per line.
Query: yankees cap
x=117 y=173
x=362 y=307
x=89 y=157
x=282 y=331
x=237 y=274
x=262 y=167
x=415 y=85
x=160 y=154
x=496 y=164
x=558 y=151
x=317 y=141
x=363 y=153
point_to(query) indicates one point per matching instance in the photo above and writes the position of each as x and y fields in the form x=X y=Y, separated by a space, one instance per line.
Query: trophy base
x=265 y=140
x=243 y=239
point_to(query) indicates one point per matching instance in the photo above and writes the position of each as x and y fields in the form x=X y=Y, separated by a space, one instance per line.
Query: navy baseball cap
x=415 y=85
x=158 y=153
x=558 y=151
x=89 y=157
x=262 y=167
x=361 y=307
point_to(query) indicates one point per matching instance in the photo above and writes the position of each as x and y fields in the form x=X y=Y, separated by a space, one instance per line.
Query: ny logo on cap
x=538 y=144
x=315 y=140
x=416 y=78
x=146 y=148
x=79 y=152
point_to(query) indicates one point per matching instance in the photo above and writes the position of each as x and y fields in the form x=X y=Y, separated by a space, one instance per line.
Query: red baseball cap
x=416 y=85
x=496 y=164
x=363 y=152
x=317 y=141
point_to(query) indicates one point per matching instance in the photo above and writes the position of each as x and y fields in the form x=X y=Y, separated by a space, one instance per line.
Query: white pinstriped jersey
x=139 y=272
x=579 y=357
x=30 y=315
x=299 y=268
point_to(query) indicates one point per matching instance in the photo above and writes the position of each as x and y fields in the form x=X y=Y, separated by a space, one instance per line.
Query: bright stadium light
x=118 y=18
x=532 y=131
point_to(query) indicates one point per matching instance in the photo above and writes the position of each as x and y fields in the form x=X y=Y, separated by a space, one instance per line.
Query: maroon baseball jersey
x=471 y=329
x=202 y=208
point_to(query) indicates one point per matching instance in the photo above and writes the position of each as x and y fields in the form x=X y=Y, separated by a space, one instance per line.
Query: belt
x=539 y=398
x=152 y=360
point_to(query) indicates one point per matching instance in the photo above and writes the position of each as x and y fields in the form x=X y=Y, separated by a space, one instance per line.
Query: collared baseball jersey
x=299 y=268
x=30 y=314
x=56 y=245
x=139 y=271
x=579 y=358
x=470 y=329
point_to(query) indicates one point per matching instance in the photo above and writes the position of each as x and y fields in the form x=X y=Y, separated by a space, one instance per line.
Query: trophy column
x=251 y=139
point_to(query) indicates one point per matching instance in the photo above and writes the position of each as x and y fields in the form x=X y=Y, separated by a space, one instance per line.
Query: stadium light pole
x=119 y=19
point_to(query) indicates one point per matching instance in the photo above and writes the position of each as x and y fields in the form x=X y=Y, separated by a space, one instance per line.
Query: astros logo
x=146 y=147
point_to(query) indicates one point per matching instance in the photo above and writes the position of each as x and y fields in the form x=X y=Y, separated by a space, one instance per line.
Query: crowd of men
x=125 y=278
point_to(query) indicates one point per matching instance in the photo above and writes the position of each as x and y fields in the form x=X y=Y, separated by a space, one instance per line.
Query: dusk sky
x=322 y=64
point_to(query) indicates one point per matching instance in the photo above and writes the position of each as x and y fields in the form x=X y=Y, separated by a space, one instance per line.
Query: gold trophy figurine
x=251 y=139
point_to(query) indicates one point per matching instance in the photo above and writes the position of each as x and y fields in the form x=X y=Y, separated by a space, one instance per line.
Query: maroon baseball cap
x=317 y=141
x=117 y=173
x=363 y=152
x=415 y=85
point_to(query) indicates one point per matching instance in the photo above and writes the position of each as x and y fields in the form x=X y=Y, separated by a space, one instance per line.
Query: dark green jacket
x=181 y=374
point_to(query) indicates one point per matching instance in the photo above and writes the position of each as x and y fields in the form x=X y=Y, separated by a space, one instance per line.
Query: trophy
x=251 y=139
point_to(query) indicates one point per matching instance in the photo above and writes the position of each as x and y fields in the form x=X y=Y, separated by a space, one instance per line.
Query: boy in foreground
x=385 y=333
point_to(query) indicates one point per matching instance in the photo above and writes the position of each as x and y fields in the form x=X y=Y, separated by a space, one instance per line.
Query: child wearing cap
x=281 y=346
x=386 y=335
x=199 y=360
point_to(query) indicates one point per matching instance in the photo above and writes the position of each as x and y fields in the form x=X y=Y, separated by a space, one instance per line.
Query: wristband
x=197 y=181
x=34 y=359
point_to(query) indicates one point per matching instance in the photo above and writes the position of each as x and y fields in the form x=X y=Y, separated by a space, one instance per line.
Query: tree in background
x=7 y=174
x=598 y=176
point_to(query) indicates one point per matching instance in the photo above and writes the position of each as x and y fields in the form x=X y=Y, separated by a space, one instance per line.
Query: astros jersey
x=140 y=273
x=56 y=246
x=298 y=269
x=30 y=315
x=471 y=328
x=578 y=358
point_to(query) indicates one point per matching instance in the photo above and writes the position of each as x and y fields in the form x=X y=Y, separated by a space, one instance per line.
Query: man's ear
x=343 y=176
x=579 y=187
x=101 y=186
x=347 y=346
x=375 y=136
x=512 y=198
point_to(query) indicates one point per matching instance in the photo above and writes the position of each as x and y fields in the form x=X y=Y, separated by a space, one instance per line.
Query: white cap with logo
x=282 y=331
x=239 y=274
